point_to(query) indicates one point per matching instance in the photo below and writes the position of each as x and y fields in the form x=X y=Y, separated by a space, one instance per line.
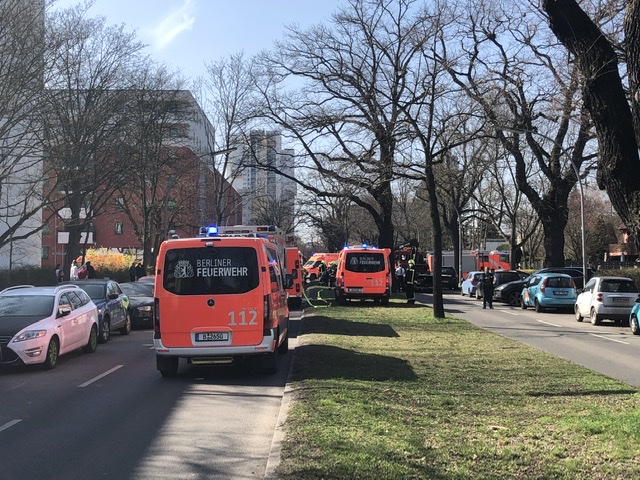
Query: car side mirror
x=638 y=300
x=579 y=290
x=63 y=311
x=113 y=296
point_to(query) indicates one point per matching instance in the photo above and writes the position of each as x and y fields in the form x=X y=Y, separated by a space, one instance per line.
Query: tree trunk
x=554 y=243
x=604 y=96
x=438 y=303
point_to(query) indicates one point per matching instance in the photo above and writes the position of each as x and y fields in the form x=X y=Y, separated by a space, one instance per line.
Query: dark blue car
x=112 y=306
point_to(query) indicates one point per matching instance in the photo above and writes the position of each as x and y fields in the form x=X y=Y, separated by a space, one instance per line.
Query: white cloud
x=174 y=23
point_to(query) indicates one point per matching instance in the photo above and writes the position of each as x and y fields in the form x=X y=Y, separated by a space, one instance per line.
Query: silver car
x=606 y=297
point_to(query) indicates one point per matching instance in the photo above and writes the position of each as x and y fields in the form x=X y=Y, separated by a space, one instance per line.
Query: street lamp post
x=459 y=245
x=563 y=151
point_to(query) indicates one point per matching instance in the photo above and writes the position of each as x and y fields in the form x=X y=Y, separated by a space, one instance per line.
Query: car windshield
x=95 y=291
x=26 y=305
x=206 y=271
x=137 y=289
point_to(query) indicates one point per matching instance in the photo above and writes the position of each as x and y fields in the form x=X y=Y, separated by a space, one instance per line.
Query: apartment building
x=260 y=167
x=195 y=193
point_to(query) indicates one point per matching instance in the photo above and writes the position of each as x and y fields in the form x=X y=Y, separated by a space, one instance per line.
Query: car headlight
x=146 y=308
x=30 y=335
x=498 y=288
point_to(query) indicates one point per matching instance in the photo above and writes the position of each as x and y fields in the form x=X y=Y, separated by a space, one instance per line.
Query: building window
x=119 y=229
x=120 y=203
x=45 y=253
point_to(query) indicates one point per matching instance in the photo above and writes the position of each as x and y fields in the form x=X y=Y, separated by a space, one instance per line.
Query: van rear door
x=211 y=296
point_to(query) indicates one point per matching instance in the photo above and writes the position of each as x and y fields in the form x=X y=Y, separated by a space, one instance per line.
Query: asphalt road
x=111 y=415
x=608 y=348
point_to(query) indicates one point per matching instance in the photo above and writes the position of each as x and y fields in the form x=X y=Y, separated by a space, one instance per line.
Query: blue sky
x=186 y=33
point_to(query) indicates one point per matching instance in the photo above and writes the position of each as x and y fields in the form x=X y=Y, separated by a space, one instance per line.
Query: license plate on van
x=354 y=289
x=212 y=337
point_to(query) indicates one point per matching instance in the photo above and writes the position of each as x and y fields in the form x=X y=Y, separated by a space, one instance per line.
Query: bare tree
x=89 y=69
x=157 y=114
x=502 y=202
x=347 y=118
x=532 y=96
x=226 y=94
x=23 y=186
x=614 y=106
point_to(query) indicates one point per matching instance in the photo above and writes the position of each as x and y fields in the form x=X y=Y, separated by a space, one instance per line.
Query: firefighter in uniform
x=410 y=282
x=487 y=288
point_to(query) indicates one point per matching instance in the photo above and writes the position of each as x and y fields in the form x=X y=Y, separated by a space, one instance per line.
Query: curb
x=278 y=435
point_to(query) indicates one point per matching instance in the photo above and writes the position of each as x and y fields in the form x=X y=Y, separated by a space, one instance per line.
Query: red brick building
x=185 y=203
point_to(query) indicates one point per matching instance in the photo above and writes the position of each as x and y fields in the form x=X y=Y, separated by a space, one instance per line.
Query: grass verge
x=392 y=393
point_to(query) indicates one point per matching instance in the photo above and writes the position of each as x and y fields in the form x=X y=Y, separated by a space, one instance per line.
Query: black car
x=575 y=272
x=500 y=277
x=510 y=292
x=141 y=305
x=424 y=280
x=449 y=278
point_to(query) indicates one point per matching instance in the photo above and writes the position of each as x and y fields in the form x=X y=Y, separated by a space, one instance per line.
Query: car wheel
x=92 y=343
x=577 y=312
x=168 y=366
x=105 y=335
x=514 y=299
x=595 y=318
x=539 y=308
x=635 y=329
x=53 y=350
x=126 y=330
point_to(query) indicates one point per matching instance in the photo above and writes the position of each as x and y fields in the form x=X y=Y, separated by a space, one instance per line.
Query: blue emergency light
x=212 y=230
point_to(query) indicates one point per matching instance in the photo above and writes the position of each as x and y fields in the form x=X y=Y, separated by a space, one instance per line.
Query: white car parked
x=38 y=324
x=606 y=297
x=470 y=282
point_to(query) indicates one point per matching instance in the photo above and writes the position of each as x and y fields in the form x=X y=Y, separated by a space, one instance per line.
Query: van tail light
x=599 y=297
x=156 y=320
x=266 y=324
x=544 y=285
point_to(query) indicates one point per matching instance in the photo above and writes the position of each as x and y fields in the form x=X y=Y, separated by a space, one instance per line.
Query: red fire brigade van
x=218 y=298
x=363 y=273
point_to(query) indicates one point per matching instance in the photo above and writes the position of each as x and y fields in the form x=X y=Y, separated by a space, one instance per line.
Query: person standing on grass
x=487 y=288
x=410 y=282
x=400 y=277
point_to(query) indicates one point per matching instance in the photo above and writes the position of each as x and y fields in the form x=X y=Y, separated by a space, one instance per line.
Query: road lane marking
x=508 y=312
x=610 y=339
x=10 y=424
x=95 y=379
x=549 y=323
